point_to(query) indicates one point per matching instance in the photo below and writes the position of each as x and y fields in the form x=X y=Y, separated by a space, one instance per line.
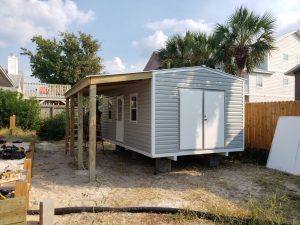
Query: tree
x=192 y=49
x=64 y=61
x=244 y=40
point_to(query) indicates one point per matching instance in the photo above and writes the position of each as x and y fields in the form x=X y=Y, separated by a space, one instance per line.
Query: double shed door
x=201 y=119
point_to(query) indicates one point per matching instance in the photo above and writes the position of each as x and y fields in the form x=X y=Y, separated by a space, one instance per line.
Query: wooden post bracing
x=92 y=132
x=80 y=131
x=67 y=127
x=72 y=130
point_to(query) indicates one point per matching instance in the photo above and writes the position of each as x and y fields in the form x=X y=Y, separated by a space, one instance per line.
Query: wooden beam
x=120 y=78
x=72 y=130
x=102 y=79
x=92 y=132
x=80 y=131
x=67 y=139
x=85 y=82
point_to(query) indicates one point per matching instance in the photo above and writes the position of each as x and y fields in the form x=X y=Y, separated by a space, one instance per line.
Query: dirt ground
x=124 y=181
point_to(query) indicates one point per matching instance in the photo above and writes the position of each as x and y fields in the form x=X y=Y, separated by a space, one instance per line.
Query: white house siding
x=288 y=45
x=273 y=88
x=167 y=105
x=136 y=135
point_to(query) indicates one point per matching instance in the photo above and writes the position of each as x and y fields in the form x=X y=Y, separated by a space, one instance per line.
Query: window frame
x=109 y=100
x=130 y=107
x=257 y=77
x=285 y=84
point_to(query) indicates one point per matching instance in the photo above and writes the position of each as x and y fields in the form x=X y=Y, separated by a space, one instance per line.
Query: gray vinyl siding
x=136 y=135
x=167 y=86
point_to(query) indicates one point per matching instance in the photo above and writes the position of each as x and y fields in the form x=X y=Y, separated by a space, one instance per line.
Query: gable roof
x=153 y=63
x=5 y=80
x=297 y=32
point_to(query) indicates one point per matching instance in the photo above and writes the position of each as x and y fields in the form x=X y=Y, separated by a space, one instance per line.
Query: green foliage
x=193 y=49
x=243 y=42
x=64 y=61
x=53 y=128
x=26 y=111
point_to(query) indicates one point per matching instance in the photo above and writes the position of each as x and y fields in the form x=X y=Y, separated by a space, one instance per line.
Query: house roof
x=297 y=32
x=153 y=63
x=5 y=80
x=16 y=79
x=293 y=70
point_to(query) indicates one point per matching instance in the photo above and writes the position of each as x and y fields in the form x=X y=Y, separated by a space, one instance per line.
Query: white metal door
x=213 y=119
x=120 y=119
x=191 y=119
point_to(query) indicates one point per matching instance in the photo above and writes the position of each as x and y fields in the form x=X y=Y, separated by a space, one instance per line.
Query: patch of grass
x=17 y=134
x=269 y=210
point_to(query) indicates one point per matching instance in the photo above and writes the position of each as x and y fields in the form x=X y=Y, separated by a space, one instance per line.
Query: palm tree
x=244 y=40
x=192 y=49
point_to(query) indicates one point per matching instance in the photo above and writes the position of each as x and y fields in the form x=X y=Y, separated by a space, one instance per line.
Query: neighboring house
x=5 y=80
x=295 y=71
x=270 y=80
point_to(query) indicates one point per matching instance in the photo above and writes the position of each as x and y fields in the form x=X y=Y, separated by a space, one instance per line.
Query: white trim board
x=173 y=156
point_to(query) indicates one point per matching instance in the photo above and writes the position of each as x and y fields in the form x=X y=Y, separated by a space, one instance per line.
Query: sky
x=129 y=31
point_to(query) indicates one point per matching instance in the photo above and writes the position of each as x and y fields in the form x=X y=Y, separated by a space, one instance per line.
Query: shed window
x=109 y=109
x=133 y=108
x=259 y=81
x=285 y=57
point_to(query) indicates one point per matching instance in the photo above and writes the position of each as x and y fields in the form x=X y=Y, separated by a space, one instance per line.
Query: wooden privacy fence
x=47 y=111
x=261 y=120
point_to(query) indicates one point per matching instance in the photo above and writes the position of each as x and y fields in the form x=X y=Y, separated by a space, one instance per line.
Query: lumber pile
x=14 y=191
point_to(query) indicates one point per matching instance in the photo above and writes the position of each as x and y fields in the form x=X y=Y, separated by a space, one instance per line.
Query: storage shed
x=163 y=113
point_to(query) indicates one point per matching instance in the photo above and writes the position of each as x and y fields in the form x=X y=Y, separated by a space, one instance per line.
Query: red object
x=43 y=90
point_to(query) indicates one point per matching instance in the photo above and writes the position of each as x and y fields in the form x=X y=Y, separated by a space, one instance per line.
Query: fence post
x=12 y=123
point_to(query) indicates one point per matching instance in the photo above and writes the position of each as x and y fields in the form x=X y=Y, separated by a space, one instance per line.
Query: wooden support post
x=22 y=190
x=80 y=131
x=46 y=212
x=72 y=130
x=67 y=127
x=92 y=132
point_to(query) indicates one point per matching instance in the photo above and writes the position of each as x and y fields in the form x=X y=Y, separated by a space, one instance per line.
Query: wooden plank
x=67 y=127
x=80 y=131
x=13 y=211
x=92 y=132
x=72 y=121
x=46 y=212
x=22 y=190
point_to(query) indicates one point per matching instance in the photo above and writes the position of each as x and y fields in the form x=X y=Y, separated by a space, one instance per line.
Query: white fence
x=45 y=91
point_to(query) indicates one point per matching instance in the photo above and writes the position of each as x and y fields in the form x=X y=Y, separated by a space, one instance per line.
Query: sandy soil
x=123 y=181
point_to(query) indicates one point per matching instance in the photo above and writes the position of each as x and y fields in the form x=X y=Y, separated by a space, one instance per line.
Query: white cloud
x=21 y=19
x=156 y=40
x=179 y=26
x=116 y=65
